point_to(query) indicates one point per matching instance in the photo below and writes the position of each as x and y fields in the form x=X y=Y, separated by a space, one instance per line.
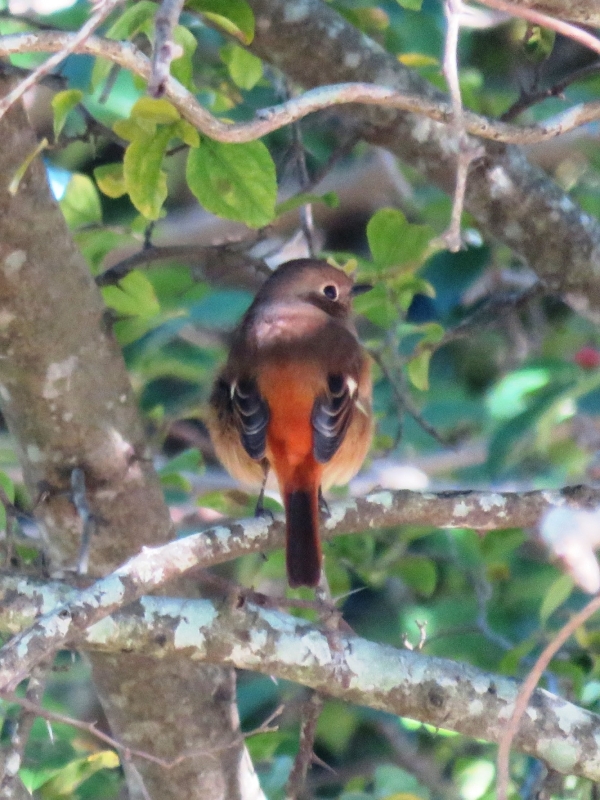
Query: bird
x=295 y=397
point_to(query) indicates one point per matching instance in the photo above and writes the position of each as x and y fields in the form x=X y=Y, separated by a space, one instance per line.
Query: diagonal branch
x=156 y=566
x=443 y=693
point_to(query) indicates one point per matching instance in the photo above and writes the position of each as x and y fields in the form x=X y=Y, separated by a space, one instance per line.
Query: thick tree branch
x=155 y=567
x=245 y=635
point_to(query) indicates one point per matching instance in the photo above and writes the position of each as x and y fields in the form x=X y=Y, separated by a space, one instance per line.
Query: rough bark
x=584 y=12
x=68 y=403
x=510 y=198
x=405 y=682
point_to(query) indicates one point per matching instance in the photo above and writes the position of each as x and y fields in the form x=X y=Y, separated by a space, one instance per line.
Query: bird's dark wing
x=251 y=415
x=331 y=416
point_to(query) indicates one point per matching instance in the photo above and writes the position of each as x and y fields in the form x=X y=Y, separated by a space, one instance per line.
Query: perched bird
x=295 y=397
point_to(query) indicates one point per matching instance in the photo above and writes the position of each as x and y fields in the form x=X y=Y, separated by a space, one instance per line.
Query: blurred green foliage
x=510 y=395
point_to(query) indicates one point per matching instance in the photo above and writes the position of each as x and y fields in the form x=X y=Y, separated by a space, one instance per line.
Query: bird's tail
x=303 y=546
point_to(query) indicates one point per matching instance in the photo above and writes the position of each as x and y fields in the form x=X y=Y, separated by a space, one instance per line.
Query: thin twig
x=528 y=687
x=35 y=710
x=306 y=211
x=103 y=9
x=311 y=711
x=529 y=99
x=165 y=49
x=12 y=761
x=538 y=18
x=270 y=119
x=467 y=152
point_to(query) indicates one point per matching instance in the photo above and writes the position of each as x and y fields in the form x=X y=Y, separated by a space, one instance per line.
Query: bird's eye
x=330 y=291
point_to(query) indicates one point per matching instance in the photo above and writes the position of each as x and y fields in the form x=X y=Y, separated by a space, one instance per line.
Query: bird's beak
x=360 y=288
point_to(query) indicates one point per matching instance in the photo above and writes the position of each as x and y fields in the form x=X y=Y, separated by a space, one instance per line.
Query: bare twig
x=130 y=57
x=103 y=9
x=467 y=152
x=528 y=688
x=306 y=212
x=79 y=499
x=11 y=762
x=311 y=711
x=165 y=49
x=529 y=99
x=578 y=35
x=33 y=709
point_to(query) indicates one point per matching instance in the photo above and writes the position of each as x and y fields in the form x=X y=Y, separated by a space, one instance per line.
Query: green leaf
x=133 y=297
x=419 y=573
x=556 y=595
x=376 y=306
x=235 y=181
x=62 y=104
x=182 y=68
x=418 y=370
x=187 y=133
x=132 y=19
x=245 y=68
x=159 y=111
x=81 y=202
x=111 y=179
x=234 y=16
x=146 y=181
x=68 y=779
x=190 y=460
x=395 y=242
x=329 y=198
x=8 y=486
x=411 y=5
x=13 y=186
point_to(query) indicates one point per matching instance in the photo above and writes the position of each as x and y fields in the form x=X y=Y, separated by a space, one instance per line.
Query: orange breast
x=290 y=389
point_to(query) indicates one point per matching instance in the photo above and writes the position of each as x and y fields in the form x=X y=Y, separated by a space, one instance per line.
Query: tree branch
x=243 y=634
x=154 y=567
x=273 y=118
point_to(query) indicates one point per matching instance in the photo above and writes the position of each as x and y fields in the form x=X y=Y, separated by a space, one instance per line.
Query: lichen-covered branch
x=155 y=567
x=245 y=635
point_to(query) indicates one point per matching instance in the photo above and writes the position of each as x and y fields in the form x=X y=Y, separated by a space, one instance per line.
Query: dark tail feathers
x=303 y=546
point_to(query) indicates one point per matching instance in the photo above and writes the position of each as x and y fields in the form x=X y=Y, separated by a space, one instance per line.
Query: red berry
x=588 y=357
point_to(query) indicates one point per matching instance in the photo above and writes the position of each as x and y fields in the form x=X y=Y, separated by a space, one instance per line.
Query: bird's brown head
x=312 y=281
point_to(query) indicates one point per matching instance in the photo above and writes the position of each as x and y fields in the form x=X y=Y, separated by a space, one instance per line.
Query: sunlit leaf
x=134 y=296
x=235 y=181
x=81 y=202
x=156 y=110
x=394 y=242
x=13 y=186
x=234 y=16
x=111 y=179
x=330 y=199
x=244 y=67
x=418 y=370
x=62 y=104
x=556 y=595
x=146 y=181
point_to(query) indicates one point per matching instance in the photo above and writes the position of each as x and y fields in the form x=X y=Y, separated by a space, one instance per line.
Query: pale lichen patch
x=560 y=755
x=489 y=501
x=296 y=11
x=4 y=393
x=338 y=512
x=461 y=509
x=58 y=377
x=102 y=632
x=14 y=261
x=384 y=499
